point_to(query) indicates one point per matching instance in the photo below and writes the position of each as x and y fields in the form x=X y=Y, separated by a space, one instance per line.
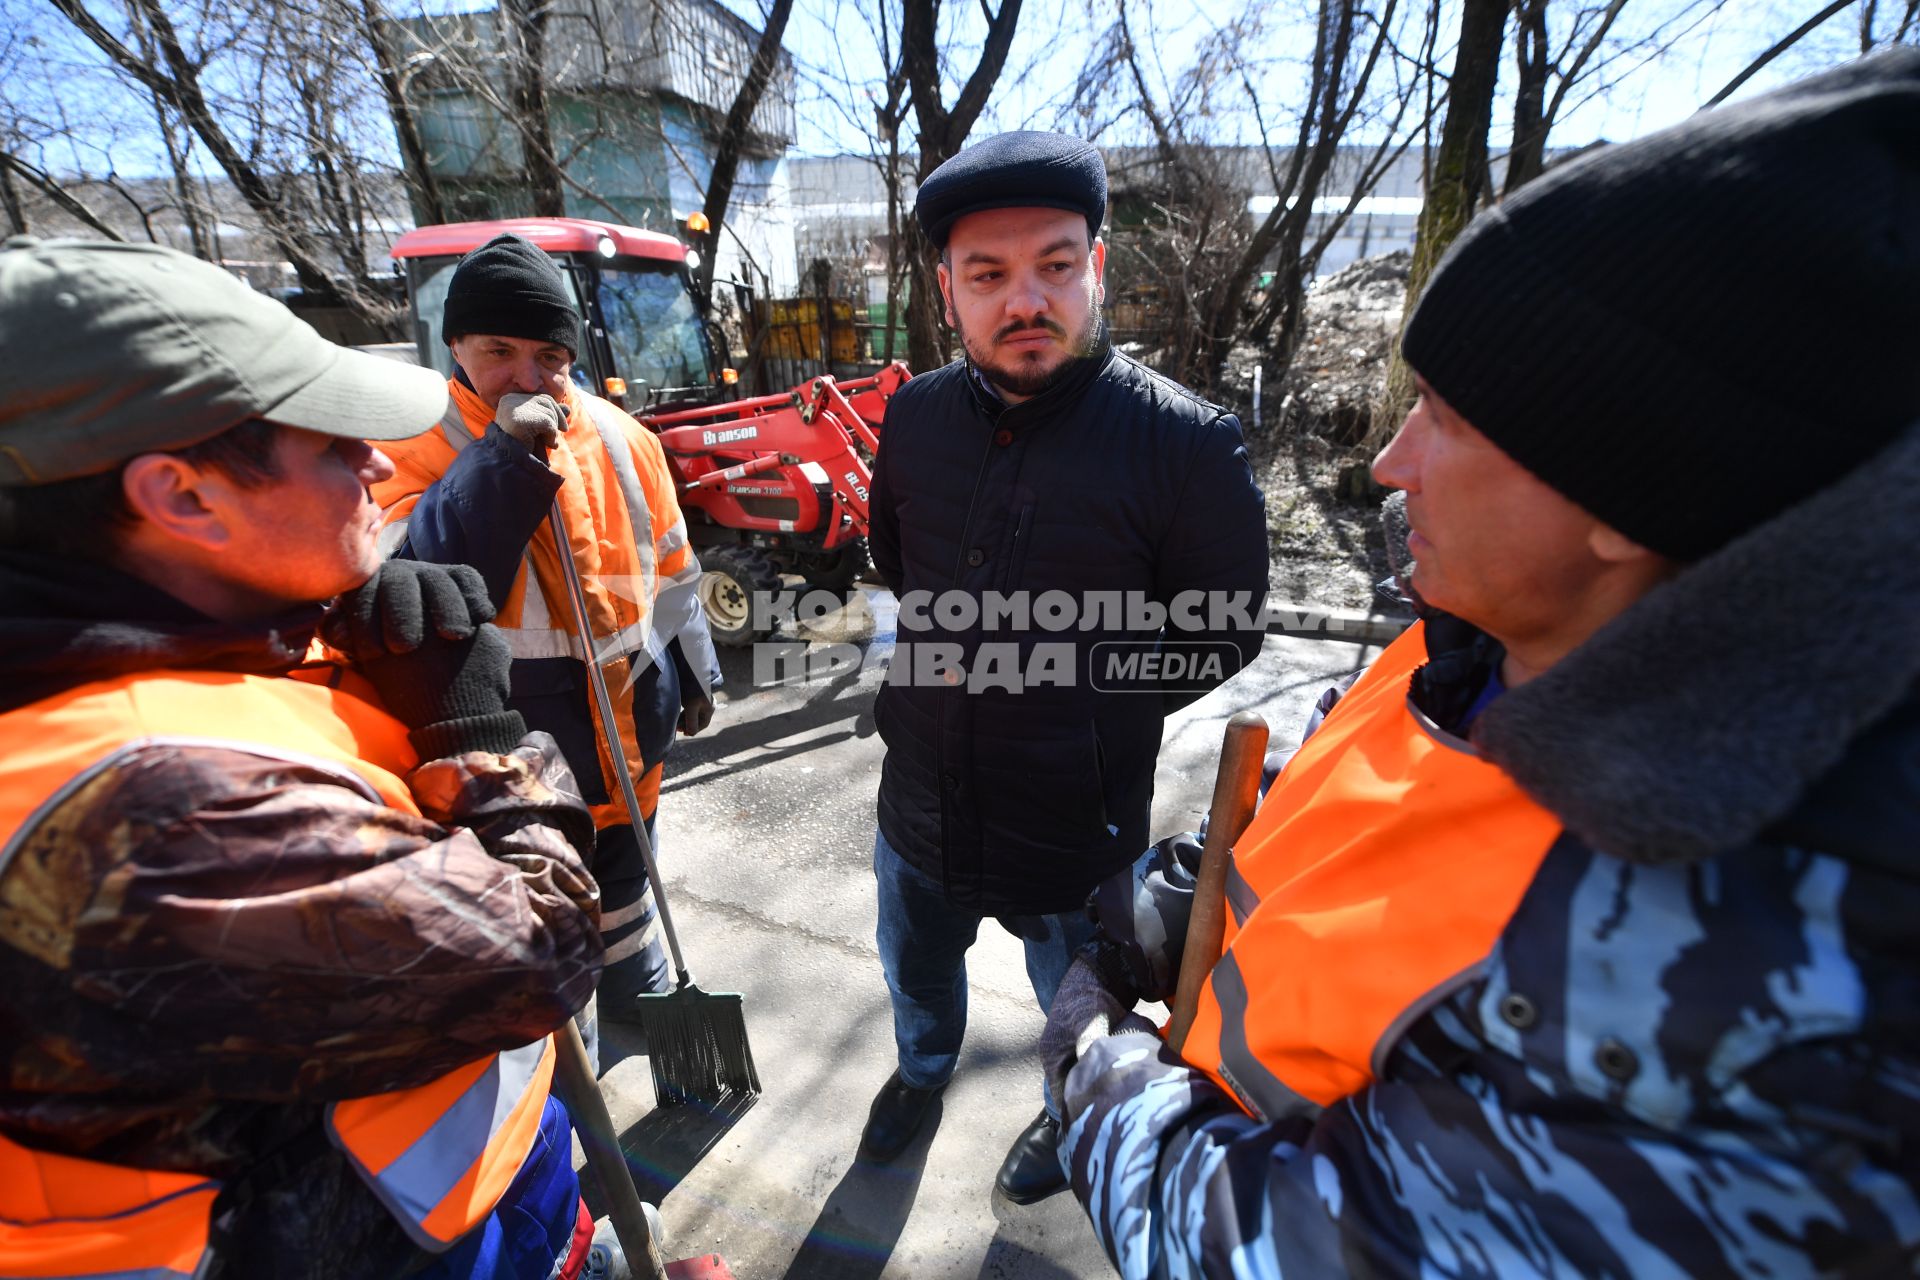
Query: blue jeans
x=923 y=949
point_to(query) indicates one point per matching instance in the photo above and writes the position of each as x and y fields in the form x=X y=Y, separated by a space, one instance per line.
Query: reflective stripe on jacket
x=1378 y=874
x=438 y=1155
x=637 y=569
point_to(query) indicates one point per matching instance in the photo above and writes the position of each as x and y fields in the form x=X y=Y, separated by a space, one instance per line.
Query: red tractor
x=770 y=486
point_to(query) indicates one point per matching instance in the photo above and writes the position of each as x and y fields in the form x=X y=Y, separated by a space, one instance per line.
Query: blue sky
x=834 y=44
x=1710 y=44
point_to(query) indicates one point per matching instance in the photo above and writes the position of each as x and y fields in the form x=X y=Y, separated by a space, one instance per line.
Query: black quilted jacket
x=1114 y=485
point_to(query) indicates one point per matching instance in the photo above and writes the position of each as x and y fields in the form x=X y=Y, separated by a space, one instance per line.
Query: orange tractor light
x=729 y=376
x=697 y=223
x=616 y=387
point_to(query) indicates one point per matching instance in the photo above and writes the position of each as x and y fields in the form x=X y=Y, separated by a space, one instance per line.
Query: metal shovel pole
x=579 y=1088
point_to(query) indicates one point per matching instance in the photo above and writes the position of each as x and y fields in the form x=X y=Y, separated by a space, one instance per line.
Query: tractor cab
x=645 y=345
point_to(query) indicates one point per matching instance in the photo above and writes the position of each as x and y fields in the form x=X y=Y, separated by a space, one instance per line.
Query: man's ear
x=176 y=499
x=945 y=277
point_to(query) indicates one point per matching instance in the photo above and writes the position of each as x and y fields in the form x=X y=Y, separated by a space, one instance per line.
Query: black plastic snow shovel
x=696 y=1040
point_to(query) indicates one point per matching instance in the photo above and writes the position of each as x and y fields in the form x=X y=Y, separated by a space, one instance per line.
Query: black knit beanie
x=1690 y=333
x=509 y=288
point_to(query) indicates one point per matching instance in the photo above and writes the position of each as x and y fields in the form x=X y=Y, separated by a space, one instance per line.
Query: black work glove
x=420 y=634
x=1095 y=999
x=1147 y=918
x=696 y=714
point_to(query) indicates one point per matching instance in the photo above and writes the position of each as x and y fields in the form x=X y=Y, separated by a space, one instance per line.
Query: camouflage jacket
x=203 y=946
x=1716 y=1067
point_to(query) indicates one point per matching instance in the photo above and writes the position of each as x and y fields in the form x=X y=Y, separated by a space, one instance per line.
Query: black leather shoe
x=1032 y=1170
x=897 y=1113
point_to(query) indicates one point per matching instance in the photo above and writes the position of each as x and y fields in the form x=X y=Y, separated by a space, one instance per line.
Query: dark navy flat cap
x=1020 y=170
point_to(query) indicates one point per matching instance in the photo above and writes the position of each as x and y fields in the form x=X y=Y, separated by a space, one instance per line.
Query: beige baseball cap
x=110 y=350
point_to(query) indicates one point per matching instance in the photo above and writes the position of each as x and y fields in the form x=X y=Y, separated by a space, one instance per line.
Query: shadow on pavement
x=829 y=702
x=862 y=1220
x=1007 y=1257
x=666 y=1144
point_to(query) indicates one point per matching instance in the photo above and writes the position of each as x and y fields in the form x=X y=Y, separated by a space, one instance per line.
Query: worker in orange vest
x=519 y=436
x=284 y=926
x=1578 y=938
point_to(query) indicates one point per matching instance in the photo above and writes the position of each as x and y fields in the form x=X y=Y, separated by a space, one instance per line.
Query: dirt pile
x=1325 y=543
x=1340 y=365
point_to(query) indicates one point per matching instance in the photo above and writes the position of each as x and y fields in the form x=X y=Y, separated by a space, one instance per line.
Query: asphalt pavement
x=767 y=843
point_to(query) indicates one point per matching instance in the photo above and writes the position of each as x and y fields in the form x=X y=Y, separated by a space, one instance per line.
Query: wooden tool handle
x=580 y=1093
x=1236 y=791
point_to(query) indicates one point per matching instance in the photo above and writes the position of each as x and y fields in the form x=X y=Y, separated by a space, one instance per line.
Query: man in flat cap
x=284 y=928
x=521 y=436
x=1079 y=549
x=1578 y=939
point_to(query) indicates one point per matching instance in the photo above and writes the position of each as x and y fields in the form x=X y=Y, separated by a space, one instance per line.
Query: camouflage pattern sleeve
x=200 y=921
x=1713 y=1078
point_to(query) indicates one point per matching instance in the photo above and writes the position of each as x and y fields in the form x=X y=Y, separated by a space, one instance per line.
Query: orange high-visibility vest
x=439 y=1156
x=1377 y=875
x=623 y=521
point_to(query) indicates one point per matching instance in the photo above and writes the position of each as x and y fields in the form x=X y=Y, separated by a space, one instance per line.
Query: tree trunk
x=733 y=137
x=10 y=198
x=942 y=132
x=528 y=19
x=183 y=193
x=1453 y=193
x=413 y=149
x=1527 y=158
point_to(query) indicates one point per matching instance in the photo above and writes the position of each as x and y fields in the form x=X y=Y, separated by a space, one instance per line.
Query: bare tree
x=863 y=91
x=49 y=186
x=1197 y=243
x=526 y=22
x=1539 y=69
x=734 y=134
x=1455 y=186
x=942 y=131
x=377 y=31
x=272 y=54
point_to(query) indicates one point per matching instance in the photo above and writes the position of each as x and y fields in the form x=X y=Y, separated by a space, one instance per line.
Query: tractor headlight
x=607 y=247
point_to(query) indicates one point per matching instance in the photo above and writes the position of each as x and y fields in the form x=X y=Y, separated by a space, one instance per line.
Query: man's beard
x=1022 y=376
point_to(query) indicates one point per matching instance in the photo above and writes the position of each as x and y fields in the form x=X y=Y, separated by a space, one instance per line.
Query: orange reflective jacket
x=618 y=505
x=1379 y=872
x=439 y=1155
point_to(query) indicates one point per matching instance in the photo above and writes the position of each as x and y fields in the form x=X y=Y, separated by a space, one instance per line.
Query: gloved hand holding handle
x=536 y=421
x=420 y=634
x=1146 y=917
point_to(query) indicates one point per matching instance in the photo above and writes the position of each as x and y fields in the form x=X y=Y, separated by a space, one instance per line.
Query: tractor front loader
x=777 y=485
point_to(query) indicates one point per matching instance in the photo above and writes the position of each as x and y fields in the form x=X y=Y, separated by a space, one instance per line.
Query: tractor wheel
x=731 y=578
x=838 y=570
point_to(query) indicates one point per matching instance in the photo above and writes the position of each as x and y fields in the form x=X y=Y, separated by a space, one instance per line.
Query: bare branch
x=1779 y=47
x=66 y=200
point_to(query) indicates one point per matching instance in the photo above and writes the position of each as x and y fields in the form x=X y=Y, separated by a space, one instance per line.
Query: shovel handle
x=580 y=1092
x=1236 y=792
x=616 y=749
